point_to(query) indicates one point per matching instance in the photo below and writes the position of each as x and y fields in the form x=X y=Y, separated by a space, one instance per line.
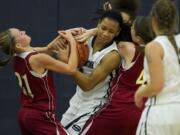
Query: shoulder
x=154 y=48
x=40 y=58
x=111 y=57
x=177 y=37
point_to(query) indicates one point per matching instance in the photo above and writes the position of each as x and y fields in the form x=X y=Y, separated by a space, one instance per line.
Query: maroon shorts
x=112 y=120
x=35 y=122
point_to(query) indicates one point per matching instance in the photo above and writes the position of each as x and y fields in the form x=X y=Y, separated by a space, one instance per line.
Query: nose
x=105 y=33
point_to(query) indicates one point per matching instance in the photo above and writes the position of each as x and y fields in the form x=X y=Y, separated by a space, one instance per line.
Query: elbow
x=157 y=88
x=87 y=87
x=71 y=70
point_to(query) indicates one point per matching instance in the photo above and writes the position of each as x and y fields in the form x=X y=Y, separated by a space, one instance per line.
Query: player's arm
x=107 y=65
x=86 y=35
x=50 y=48
x=58 y=48
x=47 y=62
x=154 y=54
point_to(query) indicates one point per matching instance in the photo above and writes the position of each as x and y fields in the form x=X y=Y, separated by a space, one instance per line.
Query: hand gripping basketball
x=83 y=53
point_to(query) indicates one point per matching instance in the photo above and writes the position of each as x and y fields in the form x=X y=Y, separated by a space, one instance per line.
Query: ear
x=139 y=39
x=18 y=47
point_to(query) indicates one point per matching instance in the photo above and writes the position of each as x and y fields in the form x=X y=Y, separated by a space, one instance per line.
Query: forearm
x=43 y=50
x=84 y=81
x=73 y=58
x=148 y=91
x=93 y=31
x=63 y=58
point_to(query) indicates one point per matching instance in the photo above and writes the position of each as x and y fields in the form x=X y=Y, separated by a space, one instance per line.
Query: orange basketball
x=83 y=53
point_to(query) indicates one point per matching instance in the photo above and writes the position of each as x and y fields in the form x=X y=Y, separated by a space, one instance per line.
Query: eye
x=111 y=31
x=103 y=28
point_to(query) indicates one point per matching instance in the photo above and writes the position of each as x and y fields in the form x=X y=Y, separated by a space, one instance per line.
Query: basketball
x=83 y=53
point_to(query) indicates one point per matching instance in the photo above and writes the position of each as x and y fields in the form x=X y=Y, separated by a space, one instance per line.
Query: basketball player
x=94 y=81
x=38 y=98
x=120 y=116
x=126 y=8
x=162 y=72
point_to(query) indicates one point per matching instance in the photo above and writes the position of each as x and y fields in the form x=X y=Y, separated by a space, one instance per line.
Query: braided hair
x=166 y=16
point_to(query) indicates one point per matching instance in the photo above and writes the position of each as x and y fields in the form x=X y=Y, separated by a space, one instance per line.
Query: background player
x=126 y=8
x=162 y=72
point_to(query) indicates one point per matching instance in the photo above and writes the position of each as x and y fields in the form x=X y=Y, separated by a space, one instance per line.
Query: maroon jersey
x=127 y=81
x=39 y=85
x=120 y=116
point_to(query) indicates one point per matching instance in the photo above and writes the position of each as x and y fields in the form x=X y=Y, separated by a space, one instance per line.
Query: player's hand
x=75 y=31
x=67 y=35
x=52 y=46
x=85 y=36
x=63 y=48
x=138 y=97
x=63 y=52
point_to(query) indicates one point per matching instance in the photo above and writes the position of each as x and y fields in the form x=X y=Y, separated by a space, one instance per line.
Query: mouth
x=104 y=38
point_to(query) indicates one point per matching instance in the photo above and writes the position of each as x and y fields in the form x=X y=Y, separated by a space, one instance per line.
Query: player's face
x=20 y=37
x=107 y=30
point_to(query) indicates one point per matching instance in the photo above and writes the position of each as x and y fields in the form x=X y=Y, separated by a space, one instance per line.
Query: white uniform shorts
x=78 y=114
x=161 y=119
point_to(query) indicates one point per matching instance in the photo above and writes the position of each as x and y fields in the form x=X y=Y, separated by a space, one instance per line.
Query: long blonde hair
x=6 y=47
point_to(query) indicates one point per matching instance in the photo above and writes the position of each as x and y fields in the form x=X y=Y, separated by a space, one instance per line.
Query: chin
x=106 y=41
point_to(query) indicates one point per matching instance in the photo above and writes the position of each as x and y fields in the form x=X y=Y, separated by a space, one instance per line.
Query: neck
x=98 y=45
x=29 y=48
x=22 y=50
x=129 y=56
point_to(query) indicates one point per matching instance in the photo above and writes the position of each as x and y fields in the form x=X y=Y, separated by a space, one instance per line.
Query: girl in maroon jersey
x=38 y=98
x=120 y=116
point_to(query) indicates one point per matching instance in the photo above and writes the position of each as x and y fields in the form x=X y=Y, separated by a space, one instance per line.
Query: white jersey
x=101 y=89
x=84 y=104
x=161 y=114
x=171 y=90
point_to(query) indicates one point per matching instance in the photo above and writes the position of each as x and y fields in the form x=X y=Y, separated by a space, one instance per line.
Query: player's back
x=37 y=90
x=171 y=69
x=127 y=81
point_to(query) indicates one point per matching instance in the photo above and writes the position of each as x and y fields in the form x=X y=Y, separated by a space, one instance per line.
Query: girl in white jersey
x=162 y=72
x=94 y=81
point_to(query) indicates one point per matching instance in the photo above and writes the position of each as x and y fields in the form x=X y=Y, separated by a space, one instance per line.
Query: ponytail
x=173 y=42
